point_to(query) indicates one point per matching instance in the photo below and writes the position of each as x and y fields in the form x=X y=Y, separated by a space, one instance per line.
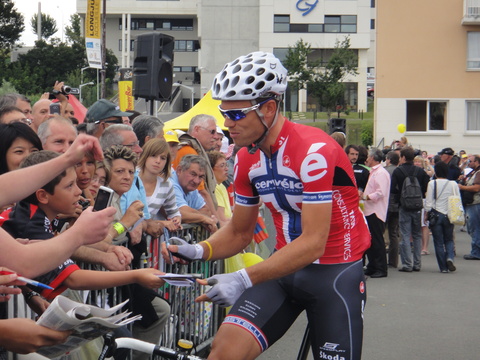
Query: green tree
x=325 y=83
x=49 y=26
x=11 y=26
x=73 y=32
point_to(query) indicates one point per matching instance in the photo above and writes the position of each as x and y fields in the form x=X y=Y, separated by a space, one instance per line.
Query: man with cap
x=447 y=156
x=102 y=114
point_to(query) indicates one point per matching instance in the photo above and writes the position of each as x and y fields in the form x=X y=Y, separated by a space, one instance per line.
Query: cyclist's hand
x=183 y=250
x=226 y=288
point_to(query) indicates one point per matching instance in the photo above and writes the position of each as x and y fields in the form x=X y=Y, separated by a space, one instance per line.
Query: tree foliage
x=48 y=26
x=11 y=26
x=325 y=83
x=36 y=71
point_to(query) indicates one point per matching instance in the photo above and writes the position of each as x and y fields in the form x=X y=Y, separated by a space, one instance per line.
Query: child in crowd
x=31 y=218
x=155 y=167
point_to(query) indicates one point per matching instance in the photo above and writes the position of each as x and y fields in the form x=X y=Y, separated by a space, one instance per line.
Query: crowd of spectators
x=439 y=176
x=160 y=181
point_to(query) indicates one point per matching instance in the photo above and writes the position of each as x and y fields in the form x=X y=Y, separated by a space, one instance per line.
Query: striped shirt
x=163 y=197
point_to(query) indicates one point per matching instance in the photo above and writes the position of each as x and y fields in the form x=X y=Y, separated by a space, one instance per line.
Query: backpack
x=411 y=196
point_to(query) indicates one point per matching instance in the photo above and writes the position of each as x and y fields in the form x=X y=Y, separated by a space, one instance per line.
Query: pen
x=167 y=243
x=27 y=280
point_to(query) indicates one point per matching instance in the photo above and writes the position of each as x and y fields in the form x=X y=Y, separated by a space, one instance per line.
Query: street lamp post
x=82 y=85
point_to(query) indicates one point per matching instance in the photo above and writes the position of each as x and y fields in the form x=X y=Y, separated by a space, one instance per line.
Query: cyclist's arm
x=304 y=250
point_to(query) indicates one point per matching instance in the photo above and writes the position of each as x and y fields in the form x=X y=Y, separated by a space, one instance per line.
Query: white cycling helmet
x=249 y=77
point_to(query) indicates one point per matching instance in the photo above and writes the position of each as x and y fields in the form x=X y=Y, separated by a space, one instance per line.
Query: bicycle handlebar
x=148 y=348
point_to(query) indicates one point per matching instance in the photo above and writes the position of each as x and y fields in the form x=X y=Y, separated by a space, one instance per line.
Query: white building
x=209 y=33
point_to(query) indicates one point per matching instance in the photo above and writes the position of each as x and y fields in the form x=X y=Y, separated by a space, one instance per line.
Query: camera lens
x=66 y=89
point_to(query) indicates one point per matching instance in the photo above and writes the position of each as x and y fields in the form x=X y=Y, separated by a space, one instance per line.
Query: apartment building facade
x=209 y=33
x=428 y=73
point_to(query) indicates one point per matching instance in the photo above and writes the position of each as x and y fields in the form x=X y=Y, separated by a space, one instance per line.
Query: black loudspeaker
x=337 y=125
x=153 y=66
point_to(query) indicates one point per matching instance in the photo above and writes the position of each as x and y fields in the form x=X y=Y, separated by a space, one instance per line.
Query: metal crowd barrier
x=197 y=322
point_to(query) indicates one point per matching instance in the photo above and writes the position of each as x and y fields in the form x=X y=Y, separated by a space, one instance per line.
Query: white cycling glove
x=227 y=288
x=185 y=250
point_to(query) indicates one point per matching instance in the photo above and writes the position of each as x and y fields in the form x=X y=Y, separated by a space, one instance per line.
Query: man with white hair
x=199 y=139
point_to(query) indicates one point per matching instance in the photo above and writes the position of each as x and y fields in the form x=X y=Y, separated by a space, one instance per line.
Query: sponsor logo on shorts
x=259 y=336
x=328 y=348
x=362 y=287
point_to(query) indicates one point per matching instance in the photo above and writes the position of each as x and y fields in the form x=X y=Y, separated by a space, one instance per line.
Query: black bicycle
x=111 y=344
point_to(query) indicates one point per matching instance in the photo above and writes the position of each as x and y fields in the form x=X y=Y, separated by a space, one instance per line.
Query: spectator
x=120 y=164
x=219 y=164
x=171 y=138
x=421 y=163
x=121 y=134
x=447 y=156
x=360 y=171
x=340 y=138
x=391 y=161
x=155 y=168
x=376 y=196
x=472 y=185
x=19 y=101
x=40 y=113
x=9 y=114
x=409 y=220
x=18 y=141
x=57 y=134
x=99 y=179
x=102 y=114
x=200 y=139
x=147 y=127
x=218 y=139
x=188 y=176
x=438 y=192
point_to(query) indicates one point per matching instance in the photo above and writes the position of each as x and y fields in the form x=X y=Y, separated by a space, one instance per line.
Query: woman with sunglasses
x=306 y=180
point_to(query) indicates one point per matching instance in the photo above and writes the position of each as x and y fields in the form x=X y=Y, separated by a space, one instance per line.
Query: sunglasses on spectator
x=23 y=120
x=238 y=114
x=212 y=132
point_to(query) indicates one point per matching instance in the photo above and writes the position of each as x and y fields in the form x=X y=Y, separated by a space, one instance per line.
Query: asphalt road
x=417 y=316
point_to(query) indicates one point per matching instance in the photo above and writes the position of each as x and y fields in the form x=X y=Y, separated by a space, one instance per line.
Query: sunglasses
x=238 y=114
x=212 y=132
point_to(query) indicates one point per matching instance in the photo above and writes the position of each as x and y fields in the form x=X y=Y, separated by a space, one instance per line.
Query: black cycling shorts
x=333 y=296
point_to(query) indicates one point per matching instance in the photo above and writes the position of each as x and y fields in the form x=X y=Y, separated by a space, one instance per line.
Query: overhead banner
x=93 y=34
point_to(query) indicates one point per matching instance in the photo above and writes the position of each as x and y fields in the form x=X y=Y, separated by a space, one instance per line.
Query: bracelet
x=119 y=228
x=210 y=248
x=28 y=296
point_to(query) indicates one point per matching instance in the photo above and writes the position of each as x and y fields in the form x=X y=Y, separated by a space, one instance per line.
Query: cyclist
x=306 y=180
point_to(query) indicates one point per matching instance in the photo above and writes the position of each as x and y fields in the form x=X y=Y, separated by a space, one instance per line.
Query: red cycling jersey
x=307 y=166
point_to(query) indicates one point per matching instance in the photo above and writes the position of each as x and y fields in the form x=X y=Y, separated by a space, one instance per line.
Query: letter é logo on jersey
x=314 y=166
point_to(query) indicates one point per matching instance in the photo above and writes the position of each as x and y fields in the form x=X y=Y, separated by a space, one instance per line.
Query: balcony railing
x=471 y=12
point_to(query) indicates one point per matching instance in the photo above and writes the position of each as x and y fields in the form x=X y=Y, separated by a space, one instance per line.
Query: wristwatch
x=56 y=92
x=28 y=296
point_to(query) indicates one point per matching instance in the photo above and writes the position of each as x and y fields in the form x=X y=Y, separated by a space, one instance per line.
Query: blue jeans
x=442 y=233
x=410 y=226
x=473 y=227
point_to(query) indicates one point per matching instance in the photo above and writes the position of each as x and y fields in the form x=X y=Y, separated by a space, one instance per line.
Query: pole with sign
x=93 y=34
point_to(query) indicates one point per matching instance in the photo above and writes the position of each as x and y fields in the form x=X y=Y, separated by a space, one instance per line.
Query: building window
x=473 y=115
x=132 y=45
x=372 y=3
x=162 y=24
x=372 y=24
x=187 y=45
x=473 y=56
x=333 y=24
x=281 y=23
x=341 y=24
x=423 y=115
